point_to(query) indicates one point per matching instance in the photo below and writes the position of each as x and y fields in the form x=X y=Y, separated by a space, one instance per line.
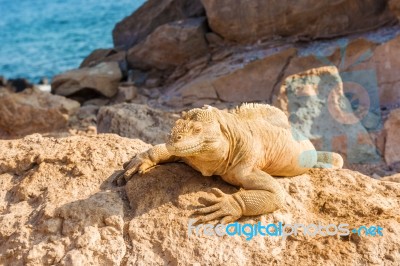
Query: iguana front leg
x=142 y=162
x=261 y=194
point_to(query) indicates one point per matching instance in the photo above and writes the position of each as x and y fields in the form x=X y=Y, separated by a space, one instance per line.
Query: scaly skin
x=246 y=147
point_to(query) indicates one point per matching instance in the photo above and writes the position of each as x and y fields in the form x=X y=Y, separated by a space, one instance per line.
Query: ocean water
x=41 y=38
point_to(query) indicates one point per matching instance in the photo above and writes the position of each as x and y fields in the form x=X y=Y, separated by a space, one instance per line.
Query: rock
x=317 y=107
x=392 y=145
x=382 y=61
x=97 y=102
x=153 y=13
x=3 y=81
x=214 y=39
x=102 y=78
x=255 y=72
x=34 y=111
x=137 y=77
x=367 y=65
x=79 y=219
x=242 y=77
x=394 y=6
x=126 y=93
x=163 y=199
x=150 y=93
x=376 y=176
x=395 y=167
x=18 y=84
x=253 y=80
x=392 y=178
x=242 y=21
x=135 y=121
x=103 y=55
x=87 y=111
x=169 y=45
x=58 y=206
x=63 y=209
x=153 y=82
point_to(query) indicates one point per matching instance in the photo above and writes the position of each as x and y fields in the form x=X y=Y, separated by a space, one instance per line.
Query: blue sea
x=41 y=38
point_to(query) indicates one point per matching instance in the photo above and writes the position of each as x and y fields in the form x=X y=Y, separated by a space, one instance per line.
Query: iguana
x=246 y=146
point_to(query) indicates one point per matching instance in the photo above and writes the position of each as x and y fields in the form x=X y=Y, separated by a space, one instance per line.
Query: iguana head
x=196 y=133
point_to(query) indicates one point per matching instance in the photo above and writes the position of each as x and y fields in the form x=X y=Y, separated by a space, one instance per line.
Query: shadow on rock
x=174 y=183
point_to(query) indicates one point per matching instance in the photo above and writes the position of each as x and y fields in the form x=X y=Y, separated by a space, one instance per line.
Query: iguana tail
x=329 y=160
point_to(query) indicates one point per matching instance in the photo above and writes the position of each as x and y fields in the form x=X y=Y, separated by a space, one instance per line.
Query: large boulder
x=33 y=111
x=134 y=28
x=135 y=121
x=169 y=45
x=102 y=78
x=58 y=206
x=316 y=105
x=243 y=77
x=247 y=21
x=392 y=145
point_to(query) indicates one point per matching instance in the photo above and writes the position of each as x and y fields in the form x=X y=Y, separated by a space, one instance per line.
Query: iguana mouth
x=190 y=148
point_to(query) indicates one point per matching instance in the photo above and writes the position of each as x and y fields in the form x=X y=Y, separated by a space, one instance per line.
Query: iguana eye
x=179 y=137
x=197 y=130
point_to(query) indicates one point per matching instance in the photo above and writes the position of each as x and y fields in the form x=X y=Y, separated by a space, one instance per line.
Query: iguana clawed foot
x=224 y=206
x=138 y=164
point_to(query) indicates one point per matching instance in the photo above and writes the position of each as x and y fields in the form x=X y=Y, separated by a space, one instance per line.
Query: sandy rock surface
x=159 y=228
x=58 y=206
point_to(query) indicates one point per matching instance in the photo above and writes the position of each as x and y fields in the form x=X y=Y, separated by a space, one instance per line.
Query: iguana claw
x=224 y=206
x=138 y=164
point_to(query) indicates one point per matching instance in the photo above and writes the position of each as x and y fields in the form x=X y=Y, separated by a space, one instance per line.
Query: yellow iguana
x=246 y=147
